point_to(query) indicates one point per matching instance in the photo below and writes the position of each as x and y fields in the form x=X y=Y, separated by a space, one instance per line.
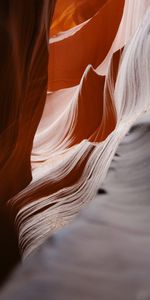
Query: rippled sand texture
x=98 y=85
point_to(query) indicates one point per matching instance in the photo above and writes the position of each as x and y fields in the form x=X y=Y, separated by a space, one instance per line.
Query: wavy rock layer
x=76 y=140
x=105 y=252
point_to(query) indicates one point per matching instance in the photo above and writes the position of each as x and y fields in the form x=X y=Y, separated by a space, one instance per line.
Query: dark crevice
x=101 y=191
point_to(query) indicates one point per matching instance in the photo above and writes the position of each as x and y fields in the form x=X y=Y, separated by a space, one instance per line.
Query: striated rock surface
x=104 y=253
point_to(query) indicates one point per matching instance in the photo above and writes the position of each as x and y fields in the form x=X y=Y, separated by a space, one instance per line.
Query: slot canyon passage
x=75 y=77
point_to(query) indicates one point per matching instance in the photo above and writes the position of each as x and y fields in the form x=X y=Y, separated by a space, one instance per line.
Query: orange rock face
x=24 y=27
x=24 y=57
